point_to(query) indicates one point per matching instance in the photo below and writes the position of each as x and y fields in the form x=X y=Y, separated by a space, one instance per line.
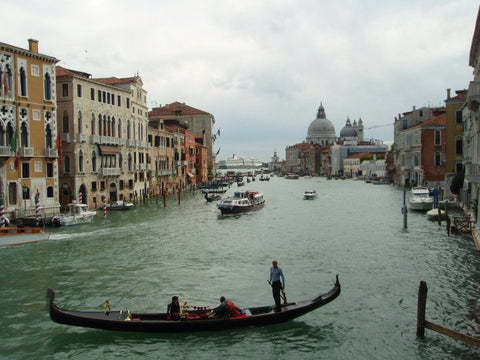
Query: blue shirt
x=276 y=275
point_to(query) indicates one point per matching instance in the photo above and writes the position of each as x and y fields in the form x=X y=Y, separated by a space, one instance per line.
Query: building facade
x=28 y=131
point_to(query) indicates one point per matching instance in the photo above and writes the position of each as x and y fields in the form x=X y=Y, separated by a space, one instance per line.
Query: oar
x=283 y=296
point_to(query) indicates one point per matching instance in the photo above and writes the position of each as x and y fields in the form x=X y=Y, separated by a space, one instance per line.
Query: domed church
x=350 y=132
x=321 y=131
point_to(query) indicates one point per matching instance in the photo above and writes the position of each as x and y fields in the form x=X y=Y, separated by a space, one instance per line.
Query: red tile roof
x=176 y=108
x=64 y=71
x=437 y=120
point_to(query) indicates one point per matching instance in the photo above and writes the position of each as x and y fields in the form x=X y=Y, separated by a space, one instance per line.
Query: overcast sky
x=263 y=67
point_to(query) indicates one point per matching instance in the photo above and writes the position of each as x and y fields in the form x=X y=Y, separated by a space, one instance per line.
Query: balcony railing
x=81 y=138
x=110 y=171
x=66 y=137
x=26 y=151
x=5 y=151
x=51 y=153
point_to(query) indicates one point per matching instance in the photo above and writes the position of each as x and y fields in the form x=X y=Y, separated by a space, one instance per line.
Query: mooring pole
x=404 y=208
x=421 y=307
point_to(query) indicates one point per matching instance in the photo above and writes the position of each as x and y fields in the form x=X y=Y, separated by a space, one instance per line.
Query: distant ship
x=236 y=162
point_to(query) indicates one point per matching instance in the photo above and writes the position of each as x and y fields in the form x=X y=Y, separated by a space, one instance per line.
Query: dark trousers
x=276 y=287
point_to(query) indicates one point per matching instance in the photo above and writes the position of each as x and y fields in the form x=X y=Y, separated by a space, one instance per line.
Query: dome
x=321 y=130
x=348 y=131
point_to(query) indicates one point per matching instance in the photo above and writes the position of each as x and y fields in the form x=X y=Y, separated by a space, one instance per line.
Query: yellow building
x=454 y=150
x=28 y=131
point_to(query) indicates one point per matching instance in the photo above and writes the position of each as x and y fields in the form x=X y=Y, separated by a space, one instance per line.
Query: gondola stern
x=50 y=297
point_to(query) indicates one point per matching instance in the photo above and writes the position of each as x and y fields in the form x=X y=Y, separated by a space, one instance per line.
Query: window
x=64 y=90
x=108 y=98
x=65 y=123
x=25 y=170
x=113 y=99
x=23 y=82
x=438 y=138
x=48 y=137
x=438 y=159
x=94 y=186
x=104 y=95
x=79 y=90
x=458 y=117
x=92 y=124
x=23 y=135
x=66 y=164
x=47 y=87
x=12 y=193
x=458 y=147
x=80 y=161
x=102 y=185
x=50 y=192
x=120 y=185
x=458 y=168
x=99 y=96
x=92 y=94
x=80 y=122
x=128 y=103
x=119 y=100
x=49 y=169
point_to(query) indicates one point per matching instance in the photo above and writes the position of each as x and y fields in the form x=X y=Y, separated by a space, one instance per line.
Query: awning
x=109 y=150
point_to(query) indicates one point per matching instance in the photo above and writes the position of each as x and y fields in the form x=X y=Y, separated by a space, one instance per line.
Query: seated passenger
x=174 y=308
x=227 y=309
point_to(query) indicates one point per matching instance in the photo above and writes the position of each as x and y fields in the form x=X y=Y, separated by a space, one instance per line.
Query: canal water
x=138 y=259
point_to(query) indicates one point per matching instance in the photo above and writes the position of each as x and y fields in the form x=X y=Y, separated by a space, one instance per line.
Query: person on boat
x=277 y=280
x=227 y=308
x=174 y=308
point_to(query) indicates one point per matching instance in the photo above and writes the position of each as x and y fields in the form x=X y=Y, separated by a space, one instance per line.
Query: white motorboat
x=76 y=214
x=434 y=214
x=241 y=201
x=22 y=235
x=309 y=194
x=420 y=199
x=119 y=205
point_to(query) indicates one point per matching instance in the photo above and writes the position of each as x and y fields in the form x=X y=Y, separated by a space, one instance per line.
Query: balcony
x=110 y=171
x=95 y=139
x=26 y=151
x=5 y=151
x=473 y=100
x=51 y=153
x=472 y=172
x=81 y=138
x=66 y=137
x=131 y=142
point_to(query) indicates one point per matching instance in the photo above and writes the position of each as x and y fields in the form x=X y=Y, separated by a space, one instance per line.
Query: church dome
x=348 y=131
x=321 y=130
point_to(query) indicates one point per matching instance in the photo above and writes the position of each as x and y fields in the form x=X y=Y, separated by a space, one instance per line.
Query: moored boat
x=420 y=199
x=435 y=213
x=76 y=214
x=22 y=235
x=119 y=205
x=241 y=202
x=194 y=320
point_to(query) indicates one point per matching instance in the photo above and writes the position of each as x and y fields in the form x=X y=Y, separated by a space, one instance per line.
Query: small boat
x=76 y=214
x=212 y=197
x=291 y=176
x=241 y=202
x=194 y=320
x=119 y=205
x=22 y=235
x=420 y=199
x=309 y=194
x=435 y=213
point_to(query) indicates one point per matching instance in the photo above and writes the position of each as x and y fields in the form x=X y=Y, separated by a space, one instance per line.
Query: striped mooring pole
x=37 y=207
x=80 y=198
x=2 y=212
x=104 y=201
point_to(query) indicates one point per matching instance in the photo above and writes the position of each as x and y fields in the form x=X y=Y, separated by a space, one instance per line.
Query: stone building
x=103 y=126
x=28 y=130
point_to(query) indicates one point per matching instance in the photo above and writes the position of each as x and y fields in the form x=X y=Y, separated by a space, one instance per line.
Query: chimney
x=33 y=45
x=448 y=94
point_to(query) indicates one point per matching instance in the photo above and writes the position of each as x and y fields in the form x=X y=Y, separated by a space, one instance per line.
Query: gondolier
x=277 y=280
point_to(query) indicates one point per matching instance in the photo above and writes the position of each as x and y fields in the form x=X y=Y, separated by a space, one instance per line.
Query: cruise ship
x=236 y=162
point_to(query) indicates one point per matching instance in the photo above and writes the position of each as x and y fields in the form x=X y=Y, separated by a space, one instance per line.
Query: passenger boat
x=76 y=214
x=241 y=202
x=309 y=194
x=420 y=199
x=22 y=235
x=194 y=320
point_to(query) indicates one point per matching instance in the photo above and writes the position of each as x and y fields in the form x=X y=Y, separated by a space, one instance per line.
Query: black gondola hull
x=157 y=322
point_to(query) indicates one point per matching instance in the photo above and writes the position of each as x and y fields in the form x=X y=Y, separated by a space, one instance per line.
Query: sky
x=262 y=68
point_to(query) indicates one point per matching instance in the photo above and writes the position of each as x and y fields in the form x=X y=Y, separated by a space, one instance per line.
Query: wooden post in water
x=164 y=198
x=404 y=208
x=422 y=303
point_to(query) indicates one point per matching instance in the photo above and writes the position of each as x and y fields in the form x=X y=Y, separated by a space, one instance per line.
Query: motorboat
x=192 y=320
x=76 y=214
x=119 y=205
x=436 y=214
x=291 y=176
x=309 y=194
x=420 y=199
x=12 y=235
x=241 y=202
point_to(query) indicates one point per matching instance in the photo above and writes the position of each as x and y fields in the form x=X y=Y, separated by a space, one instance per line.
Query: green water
x=138 y=259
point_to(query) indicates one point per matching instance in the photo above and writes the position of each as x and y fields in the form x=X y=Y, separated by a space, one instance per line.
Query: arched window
x=120 y=161
x=3 y=139
x=23 y=134
x=128 y=130
x=65 y=123
x=438 y=138
x=113 y=126
x=438 y=159
x=130 y=162
x=48 y=137
x=99 y=124
x=94 y=161
x=66 y=164
x=10 y=132
x=119 y=128
x=92 y=125
x=80 y=161
x=48 y=87
x=109 y=127
x=80 y=122
x=104 y=126
x=23 y=82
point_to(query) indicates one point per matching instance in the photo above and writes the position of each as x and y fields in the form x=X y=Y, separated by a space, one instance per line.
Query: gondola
x=196 y=320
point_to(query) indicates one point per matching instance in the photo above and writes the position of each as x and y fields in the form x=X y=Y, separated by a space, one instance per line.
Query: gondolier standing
x=276 y=274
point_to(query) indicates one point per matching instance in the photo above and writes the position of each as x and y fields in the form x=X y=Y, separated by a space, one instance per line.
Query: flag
x=218 y=151
x=218 y=132
x=59 y=149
